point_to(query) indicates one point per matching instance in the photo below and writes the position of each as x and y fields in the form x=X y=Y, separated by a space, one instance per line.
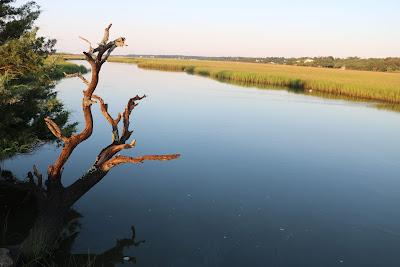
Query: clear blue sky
x=342 y=28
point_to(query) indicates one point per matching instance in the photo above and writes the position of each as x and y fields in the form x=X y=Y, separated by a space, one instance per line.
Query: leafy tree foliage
x=26 y=82
x=15 y=21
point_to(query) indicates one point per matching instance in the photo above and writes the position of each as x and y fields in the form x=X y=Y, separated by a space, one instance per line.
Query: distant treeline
x=354 y=63
x=391 y=64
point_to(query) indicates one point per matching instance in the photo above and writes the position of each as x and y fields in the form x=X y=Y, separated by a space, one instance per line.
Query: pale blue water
x=266 y=177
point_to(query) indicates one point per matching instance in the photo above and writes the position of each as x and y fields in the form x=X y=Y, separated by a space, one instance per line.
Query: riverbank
x=62 y=66
x=357 y=85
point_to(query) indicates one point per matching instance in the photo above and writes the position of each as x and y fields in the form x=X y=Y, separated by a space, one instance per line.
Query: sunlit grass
x=61 y=65
x=356 y=84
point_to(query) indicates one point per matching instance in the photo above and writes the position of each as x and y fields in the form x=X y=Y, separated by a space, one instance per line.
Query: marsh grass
x=61 y=65
x=363 y=85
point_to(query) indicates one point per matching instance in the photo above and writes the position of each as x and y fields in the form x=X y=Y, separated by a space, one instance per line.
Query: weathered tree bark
x=53 y=199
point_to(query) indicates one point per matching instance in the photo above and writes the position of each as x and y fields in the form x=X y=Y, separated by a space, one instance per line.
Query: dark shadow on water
x=18 y=213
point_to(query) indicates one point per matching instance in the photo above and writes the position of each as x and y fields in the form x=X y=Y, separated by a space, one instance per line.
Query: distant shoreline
x=358 y=85
x=388 y=64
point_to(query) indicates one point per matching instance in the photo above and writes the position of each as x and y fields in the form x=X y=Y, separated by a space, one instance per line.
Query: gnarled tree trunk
x=53 y=199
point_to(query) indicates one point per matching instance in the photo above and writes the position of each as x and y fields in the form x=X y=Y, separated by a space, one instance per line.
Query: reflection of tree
x=110 y=257
x=54 y=201
x=17 y=215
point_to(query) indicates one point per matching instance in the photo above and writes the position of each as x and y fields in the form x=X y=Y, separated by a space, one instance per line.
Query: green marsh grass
x=61 y=65
x=363 y=85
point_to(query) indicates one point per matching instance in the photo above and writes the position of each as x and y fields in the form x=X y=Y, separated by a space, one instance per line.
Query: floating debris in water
x=281 y=229
x=126 y=258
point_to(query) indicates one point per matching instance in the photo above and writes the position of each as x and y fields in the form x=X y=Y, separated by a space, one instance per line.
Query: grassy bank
x=61 y=65
x=365 y=85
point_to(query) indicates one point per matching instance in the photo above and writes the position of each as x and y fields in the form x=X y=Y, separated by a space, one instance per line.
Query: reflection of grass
x=364 y=85
x=380 y=105
x=391 y=107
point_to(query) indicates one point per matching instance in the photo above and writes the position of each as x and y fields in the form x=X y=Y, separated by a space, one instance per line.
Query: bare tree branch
x=55 y=129
x=101 y=49
x=54 y=171
x=106 y=35
x=113 y=122
x=117 y=160
x=90 y=44
x=120 y=42
x=108 y=152
x=105 y=58
x=90 y=59
x=79 y=75
x=118 y=144
x=126 y=134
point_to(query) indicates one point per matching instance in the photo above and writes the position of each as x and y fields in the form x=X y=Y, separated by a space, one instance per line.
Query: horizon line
x=202 y=56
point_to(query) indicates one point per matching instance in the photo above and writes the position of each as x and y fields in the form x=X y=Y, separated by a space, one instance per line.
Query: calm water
x=266 y=178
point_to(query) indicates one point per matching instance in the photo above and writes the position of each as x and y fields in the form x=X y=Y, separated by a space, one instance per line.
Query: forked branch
x=54 y=171
x=117 y=144
x=113 y=122
x=126 y=134
x=107 y=159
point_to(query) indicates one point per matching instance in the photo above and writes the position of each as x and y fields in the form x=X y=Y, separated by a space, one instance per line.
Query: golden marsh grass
x=360 y=85
x=366 y=85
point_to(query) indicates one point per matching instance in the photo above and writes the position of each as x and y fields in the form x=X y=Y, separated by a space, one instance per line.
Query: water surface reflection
x=266 y=178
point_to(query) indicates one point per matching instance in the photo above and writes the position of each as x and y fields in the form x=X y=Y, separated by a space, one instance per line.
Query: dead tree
x=53 y=199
